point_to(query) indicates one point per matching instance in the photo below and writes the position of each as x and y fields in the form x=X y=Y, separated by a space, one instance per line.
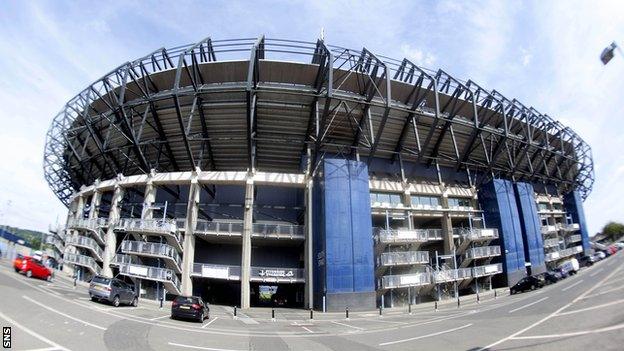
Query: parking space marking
x=36 y=335
x=209 y=323
x=571 y=286
x=596 y=272
x=528 y=305
x=63 y=314
x=199 y=347
x=161 y=317
x=348 y=325
x=565 y=335
x=591 y=308
x=426 y=336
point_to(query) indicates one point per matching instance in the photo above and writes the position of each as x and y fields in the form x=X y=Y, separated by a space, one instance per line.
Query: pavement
x=580 y=312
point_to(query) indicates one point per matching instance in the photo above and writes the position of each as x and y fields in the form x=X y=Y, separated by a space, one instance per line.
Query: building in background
x=275 y=172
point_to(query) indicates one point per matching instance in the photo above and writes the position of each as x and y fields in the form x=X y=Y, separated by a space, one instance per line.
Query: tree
x=613 y=230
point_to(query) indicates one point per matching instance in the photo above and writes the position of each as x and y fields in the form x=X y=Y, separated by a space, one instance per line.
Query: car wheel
x=49 y=278
x=201 y=318
x=135 y=302
x=116 y=301
x=532 y=287
x=93 y=298
x=29 y=274
x=16 y=270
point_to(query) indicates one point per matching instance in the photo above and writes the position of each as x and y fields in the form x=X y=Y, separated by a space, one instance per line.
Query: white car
x=600 y=255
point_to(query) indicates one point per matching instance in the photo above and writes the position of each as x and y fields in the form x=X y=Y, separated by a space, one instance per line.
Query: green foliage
x=31 y=236
x=613 y=230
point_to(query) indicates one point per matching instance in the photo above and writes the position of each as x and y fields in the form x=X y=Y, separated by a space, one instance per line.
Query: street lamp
x=608 y=53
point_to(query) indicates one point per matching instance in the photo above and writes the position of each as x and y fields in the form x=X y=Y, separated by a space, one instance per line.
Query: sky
x=544 y=53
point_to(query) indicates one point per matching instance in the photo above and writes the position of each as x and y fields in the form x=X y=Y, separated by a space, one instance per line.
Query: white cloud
x=418 y=56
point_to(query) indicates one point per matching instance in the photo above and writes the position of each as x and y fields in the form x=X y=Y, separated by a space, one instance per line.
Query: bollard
x=436 y=305
x=380 y=311
x=161 y=302
x=311 y=313
x=458 y=302
x=478 y=301
x=234 y=311
x=347 y=312
x=75 y=279
x=409 y=308
x=495 y=294
x=273 y=314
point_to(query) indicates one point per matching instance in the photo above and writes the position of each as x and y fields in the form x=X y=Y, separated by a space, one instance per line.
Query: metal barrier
x=551 y=242
x=570 y=227
x=82 y=260
x=449 y=275
x=150 y=273
x=289 y=231
x=124 y=259
x=574 y=238
x=407 y=235
x=549 y=229
x=156 y=226
x=219 y=228
x=490 y=269
x=216 y=271
x=403 y=257
x=152 y=249
x=85 y=242
x=93 y=225
x=405 y=280
x=476 y=233
x=483 y=251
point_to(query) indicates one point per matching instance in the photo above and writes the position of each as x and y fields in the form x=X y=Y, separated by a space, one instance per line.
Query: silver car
x=112 y=290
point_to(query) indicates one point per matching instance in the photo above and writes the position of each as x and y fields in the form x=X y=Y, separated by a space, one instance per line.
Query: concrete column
x=188 y=255
x=246 y=247
x=407 y=202
x=148 y=200
x=94 y=208
x=78 y=204
x=447 y=226
x=309 y=254
x=111 y=238
x=80 y=207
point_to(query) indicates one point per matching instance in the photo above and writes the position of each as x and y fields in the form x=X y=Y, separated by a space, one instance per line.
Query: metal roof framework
x=253 y=103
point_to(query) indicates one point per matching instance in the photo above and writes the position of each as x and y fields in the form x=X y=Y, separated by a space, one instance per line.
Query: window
x=393 y=199
x=458 y=202
x=425 y=201
x=542 y=207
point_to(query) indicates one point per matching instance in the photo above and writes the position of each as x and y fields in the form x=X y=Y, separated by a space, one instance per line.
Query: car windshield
x=101 y=280
x=184 y=299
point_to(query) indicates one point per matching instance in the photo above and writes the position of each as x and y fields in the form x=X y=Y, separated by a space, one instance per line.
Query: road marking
x=309 y=331
x=161 y=317
x=209 y=323
x=425 y=336
x=51 y=348
x=565 y=335
x=36 y=335
x=199 y=347
x=571 y=286
x=347 y=325
x=528 y=305
x=490 y=346
x=604 y=292
x=591 y=308
x=596 y=272
x=63 y=314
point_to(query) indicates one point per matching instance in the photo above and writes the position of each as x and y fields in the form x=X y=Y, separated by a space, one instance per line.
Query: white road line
x=490 y=346
x=36 y=335
x=425 y=336
x=347 y=325
x=44 y=349
x=386 y=321
x=199 y=347
x=596 y=272
x=604 y=292
x=591 y=308
x=571 y=286
x=161 y=317
x=565 y=335
x=63 y=314
x=528 y=305
x=209 y=323
x=309 y=331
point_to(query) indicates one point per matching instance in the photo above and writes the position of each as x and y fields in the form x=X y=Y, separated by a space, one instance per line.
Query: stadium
x=265 y=171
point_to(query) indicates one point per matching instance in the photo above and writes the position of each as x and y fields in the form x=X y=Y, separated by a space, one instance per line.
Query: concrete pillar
x=94 y=208
x=188 y=246
x=447 y=226
x=148 y=200
x=246 y=246
x=78 y=205
x=309 y=254
x=111 y=238
x=407 y=202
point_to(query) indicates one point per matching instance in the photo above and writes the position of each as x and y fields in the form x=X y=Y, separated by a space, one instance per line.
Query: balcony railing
x=216 y=271
x=570 y=227
x=150 y=226
x=87 y=243
x=151 y=273
x=407 y=235
x=482 y=252
x=56 y=242
x=549 y=229
x=152 y=249
x=93 y=225
x=552 y=256
x=124 y=259
x=277 y=274
x=476 y=233
x=403 y=258
x=490 y=269
x=574 y=238
x=82 y=260
x=449 y=275
x=405 y=280
x=219 y=228
x=278 y=231
x=551 y=242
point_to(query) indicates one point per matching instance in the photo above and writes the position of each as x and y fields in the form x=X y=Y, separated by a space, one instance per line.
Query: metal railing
x=407 y=235
x=549 y=229
x=551 y=242
x=490 y=269
x=87 y=243
x=82 y=260
x=150 y=273
x=151 y=249
x=216 y=271
x=570 y=227
x=574 y=238
x=56 y=242
x=219 y=228
x=157 y=226
x=278 y=231
x=403 y=258
x=405 y=280
x=483 y=251
x=124 y=259
x=277 y=274
x=476 y=233
x=449 y=275
x=93 y=225
x=552 y=256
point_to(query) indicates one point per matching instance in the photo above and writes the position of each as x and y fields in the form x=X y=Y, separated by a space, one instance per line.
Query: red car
x=31 y=267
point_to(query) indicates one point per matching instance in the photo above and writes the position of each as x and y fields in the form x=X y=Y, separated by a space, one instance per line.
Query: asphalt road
x=578 y=313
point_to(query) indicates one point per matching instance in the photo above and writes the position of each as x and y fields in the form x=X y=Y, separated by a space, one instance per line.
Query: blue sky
x=545 y=53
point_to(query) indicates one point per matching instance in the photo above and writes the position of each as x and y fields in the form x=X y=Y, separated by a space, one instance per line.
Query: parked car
x=586 y=261
x=32 y=268
x=552 y=277
x=191 y=307
x=17 y=262
x=612 y=250
x=112 y=290
x=600 y=255
x=526 y=283
x=570 y=266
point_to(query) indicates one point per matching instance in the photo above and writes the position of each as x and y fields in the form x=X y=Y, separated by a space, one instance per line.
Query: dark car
x=190 y=307
x=586 y=261
x=526 y=283
x=552 y=277
x=112 y=290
